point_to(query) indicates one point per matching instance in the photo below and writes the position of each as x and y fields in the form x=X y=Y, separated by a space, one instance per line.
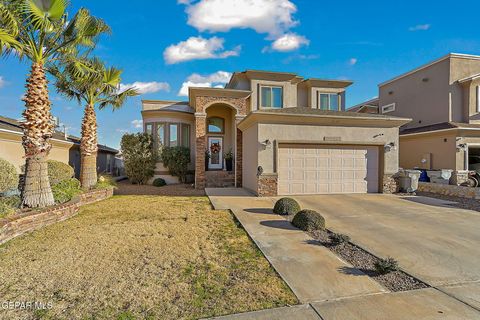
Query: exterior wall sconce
x=267 y=143
x=390 y=147
x=259 y=171
x=462 y=147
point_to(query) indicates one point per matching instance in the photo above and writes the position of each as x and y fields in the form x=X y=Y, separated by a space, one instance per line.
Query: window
x=169 y=134
x=149 y=128
x=388 y=108
x=215 y=125
x=328 y=101
x=271 y=97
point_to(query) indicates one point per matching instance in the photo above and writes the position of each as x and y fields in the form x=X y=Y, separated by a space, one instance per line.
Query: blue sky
x=164 y=45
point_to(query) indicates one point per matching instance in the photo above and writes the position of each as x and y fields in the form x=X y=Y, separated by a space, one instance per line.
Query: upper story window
x=215 y=125
x=328 y=101
x=271 y=97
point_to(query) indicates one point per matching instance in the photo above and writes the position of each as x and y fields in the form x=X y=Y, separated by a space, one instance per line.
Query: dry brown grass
x=140 y=257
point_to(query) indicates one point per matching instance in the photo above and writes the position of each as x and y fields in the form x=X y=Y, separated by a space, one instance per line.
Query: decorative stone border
x=26 y=221
x=450 y=190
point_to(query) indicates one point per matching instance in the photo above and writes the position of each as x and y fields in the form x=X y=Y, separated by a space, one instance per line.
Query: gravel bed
x=462 y=203
x=365 y=261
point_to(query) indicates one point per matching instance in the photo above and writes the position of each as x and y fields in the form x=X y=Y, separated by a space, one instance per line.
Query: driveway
x=433 y=241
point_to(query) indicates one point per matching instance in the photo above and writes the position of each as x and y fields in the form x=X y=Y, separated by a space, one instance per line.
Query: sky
x=165 y=46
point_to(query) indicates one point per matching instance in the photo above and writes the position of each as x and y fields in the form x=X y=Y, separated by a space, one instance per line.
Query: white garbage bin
x=409 y=180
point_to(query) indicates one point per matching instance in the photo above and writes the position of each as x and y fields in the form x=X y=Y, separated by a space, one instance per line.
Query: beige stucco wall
x=427 y=102
x=442 y=148
x=464 y=103
x=267 y=157
x=250 y=158
x=11 y=150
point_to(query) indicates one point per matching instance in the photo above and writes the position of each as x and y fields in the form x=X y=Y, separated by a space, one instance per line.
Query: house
x=443 y=99
x=65 y=148
x=288 y=135
x=370 y=106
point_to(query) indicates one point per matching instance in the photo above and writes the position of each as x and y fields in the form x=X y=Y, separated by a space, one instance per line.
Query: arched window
x=215 y=125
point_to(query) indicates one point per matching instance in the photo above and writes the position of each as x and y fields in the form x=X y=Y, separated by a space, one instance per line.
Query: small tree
x=139 y=157
x=176 y=159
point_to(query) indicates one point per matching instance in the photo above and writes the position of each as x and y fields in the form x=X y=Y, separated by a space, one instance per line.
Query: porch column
x=238 y=152
x=200 y=145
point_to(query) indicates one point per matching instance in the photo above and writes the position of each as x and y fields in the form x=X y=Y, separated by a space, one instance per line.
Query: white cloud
x=121 y=130
x=2 y=82
x=137 y=124
x=420 y=27
x=195 y=48
x=289 y=42
x=273 y=17
x=146 y=87
x=214 y=80
x=352 y=61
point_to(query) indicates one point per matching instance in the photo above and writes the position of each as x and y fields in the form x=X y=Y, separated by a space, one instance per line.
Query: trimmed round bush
x=8 y=176
x=65 y=190
x=159 y=182
x=59 y=171
x=286 y=206
x=308 y=220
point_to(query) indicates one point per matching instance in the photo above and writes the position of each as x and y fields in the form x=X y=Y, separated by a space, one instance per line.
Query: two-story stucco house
x=443 y=99
x=288 y=135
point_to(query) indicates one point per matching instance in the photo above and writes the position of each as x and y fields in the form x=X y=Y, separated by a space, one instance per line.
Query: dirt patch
x=365 y=262
x=462 y=203
x=125 y=187
x=140 y=257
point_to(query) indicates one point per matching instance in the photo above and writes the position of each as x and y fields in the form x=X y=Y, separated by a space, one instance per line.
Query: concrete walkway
x=312 y=271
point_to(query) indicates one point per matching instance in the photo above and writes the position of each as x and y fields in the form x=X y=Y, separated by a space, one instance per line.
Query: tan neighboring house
x=65 y=148
x=288 y=136
x=443 y=99
x=370 y=106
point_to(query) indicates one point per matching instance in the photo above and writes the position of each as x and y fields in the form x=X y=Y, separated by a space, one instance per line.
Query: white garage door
x=327 y=169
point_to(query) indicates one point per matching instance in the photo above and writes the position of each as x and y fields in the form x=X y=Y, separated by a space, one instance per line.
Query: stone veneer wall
x=389 y=184
x=450 y=190
x=238 y=158
x=25 y=221
x=267 y=185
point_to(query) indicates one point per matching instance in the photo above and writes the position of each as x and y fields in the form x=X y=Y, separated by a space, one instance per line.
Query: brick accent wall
x=238 y=158
x=200 y=146
x=267 y=185
x=26 y=221
x=389 y=184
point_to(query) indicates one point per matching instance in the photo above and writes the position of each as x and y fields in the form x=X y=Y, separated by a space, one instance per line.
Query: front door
x=215 y=146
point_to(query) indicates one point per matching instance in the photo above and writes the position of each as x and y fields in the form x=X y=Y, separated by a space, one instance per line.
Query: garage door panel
x=328 y=169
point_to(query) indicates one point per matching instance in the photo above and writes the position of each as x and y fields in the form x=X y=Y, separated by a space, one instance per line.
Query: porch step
x=220 y=179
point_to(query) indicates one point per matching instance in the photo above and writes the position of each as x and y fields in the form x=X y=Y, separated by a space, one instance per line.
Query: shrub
x=65 y=190
x=286 y=206
x=339 y=238
x=176 y=159
x=105 y=181
x=139 y=157
x=308 y=220
x=8 y=205
x=384 y=266
x=8 y=176
x=59 y=171
x=159 y=182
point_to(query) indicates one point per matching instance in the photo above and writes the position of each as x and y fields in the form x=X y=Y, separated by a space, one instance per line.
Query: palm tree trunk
x=88 y=148
x=37 y=130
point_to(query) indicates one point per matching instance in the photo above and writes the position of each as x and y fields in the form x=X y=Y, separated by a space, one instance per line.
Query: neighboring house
x=443 y=99
x=288 y=135
x=370 y=106
x=65 y=148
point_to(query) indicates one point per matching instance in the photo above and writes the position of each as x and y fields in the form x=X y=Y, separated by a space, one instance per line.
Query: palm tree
x=96 y=86
x=39 y=30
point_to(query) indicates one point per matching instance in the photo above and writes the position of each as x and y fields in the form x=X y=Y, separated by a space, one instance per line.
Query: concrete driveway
x=432 y=240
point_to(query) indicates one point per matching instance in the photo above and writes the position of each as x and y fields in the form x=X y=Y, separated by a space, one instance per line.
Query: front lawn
x=137 y=257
